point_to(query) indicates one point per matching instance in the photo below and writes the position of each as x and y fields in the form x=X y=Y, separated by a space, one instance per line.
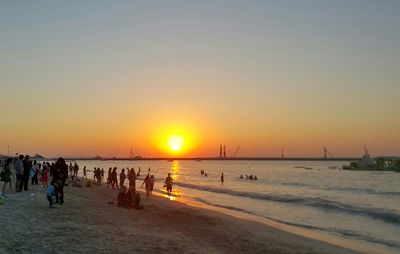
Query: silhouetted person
x=5 y=175
x=168 y=183
x=147 y=183
x=60 y=175
x=121 y=198
x=76 y=169
x=122 y=178
x=222 y=177
x=109 y=177
x=114 y=179
x=84 y=172
x=19 y=173
x=151 y=184
x=35 y=170
x=27 y=171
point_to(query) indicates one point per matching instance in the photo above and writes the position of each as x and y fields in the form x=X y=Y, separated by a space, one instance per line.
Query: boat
x=367 y=163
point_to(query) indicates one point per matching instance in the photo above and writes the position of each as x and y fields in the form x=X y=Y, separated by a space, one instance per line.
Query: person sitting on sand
x=128 y=199
x=168 y=183
x=147 y=183
x=133 y=199
x=121 y=198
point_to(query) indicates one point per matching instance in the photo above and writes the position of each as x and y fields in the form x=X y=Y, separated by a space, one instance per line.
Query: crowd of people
x=53 y=176
x=249 y=177
x=21 y=169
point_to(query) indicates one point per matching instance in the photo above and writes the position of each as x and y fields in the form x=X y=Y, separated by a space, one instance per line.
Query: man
x=27 y=171
x=19 y=172
x=76 y=169
x=168 y=183
x=71 y=171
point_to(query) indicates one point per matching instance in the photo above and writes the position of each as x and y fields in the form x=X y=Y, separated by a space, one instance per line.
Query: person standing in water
x=84 y=172
x=151 y=184
x=147 y=183
x=168 y=184
x=76 y=169
x=222 y=177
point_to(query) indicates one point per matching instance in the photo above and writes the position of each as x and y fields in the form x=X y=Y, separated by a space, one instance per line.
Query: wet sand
x=87 y=223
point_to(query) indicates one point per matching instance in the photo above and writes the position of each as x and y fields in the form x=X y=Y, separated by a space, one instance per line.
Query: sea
x=314 y=195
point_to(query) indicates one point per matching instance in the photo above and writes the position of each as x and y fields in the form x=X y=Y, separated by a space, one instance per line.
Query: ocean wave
x=320 y=203
x=339 y=231
x=344 y=189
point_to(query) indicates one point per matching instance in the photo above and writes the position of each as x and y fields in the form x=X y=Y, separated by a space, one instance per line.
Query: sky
x=86 y=78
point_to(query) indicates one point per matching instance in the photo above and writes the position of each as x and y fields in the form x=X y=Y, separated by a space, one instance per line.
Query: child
x=50 y=193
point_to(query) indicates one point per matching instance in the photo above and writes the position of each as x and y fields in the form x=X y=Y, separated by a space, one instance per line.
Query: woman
x=44 y=178
x=34 y=173
x=109 y=177
x=60 y=175
x=147 y=183
x=132 y=179
x=114 y=179
x=122 y=178
x=5 y=175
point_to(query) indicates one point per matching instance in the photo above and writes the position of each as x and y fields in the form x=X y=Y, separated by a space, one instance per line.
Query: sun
x=175 y=143
x=175 y=139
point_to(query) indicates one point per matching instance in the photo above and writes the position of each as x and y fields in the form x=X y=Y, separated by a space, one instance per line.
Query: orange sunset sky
x=97 y=77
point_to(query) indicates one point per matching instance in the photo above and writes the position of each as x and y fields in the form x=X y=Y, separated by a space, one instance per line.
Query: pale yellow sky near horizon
x=86 y=79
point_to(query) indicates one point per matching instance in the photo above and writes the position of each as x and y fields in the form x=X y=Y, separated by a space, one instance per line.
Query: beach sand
x=87 y=223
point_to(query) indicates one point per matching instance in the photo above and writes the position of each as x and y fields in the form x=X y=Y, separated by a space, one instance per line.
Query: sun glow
x=175 y=142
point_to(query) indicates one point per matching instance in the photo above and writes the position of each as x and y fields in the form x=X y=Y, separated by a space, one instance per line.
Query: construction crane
x=327 y=153
x=236 y=151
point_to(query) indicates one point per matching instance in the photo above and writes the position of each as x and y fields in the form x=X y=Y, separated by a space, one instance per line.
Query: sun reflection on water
x=175 y=169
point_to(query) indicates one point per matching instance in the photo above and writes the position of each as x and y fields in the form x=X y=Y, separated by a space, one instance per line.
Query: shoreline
x=87 y=222
x=353 y=244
